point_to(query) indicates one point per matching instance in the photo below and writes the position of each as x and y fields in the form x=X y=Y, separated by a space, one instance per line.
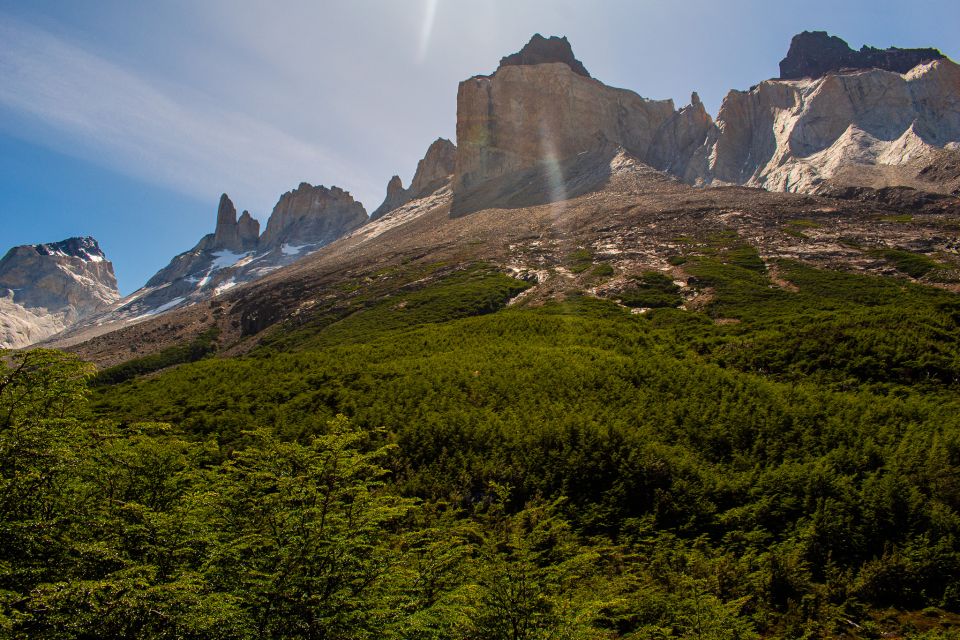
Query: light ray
x=426 y=31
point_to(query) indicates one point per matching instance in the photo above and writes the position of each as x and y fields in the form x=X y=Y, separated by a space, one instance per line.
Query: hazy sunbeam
x=552 y=172
x=429 y=16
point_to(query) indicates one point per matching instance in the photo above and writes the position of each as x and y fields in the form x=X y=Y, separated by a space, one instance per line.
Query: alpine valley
x=605 y=368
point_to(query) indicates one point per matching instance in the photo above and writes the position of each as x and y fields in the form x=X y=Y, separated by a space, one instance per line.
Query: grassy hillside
x=782 y=462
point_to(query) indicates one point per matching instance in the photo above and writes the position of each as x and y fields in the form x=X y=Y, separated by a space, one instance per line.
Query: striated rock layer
x=46 y=288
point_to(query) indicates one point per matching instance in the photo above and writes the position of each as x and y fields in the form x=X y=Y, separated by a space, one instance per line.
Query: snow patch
x=225 y=258
x=291 y=249
x=229 y=284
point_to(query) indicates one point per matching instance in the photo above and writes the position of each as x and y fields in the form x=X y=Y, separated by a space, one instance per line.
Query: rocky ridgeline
x=311 y=216
x=872 y=118
x=303 y=220
x=541 y=129
x=47 y=287
x=542 y=50
x=433 y=171
x=814 y=54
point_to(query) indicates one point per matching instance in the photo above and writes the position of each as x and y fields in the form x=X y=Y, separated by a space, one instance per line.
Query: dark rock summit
x=397 y=196
x=542 y=50
x=85 y=248
x=814 y=54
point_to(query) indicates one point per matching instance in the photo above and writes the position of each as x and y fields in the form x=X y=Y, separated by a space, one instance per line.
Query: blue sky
x=126 y=120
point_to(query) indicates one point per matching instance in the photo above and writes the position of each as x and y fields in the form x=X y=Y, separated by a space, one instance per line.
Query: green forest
x=432 y=463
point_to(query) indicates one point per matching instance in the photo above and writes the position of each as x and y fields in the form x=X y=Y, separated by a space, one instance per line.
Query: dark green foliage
x=463 y=293
x=602 y=270
x=792 y=474
x=204 y=345
x=915 y=265
x=652 y=290
x=580 y=260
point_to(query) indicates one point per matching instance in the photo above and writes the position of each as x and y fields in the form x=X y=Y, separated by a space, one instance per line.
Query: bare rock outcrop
x=304 y=220
x=542 y=50
x=814 y=54
x=46 y=288
x=311 y=215
x=433 y=172
x=869 y=127
x=248 y=228
x=529 y=114
x=233 y=234
x=873 y=118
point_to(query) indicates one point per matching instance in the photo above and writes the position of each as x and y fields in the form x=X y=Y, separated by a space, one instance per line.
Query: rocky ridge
x=303 y=220
x=814 y=54
x=868 y=127
x=45 y=288
x=542 y=50
x=433 y=171
x=541 y=132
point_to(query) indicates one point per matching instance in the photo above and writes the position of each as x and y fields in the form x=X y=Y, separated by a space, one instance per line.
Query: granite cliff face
x=233 y=234
x=45 y=288
x=433 y=172
x=538 y=110
x=866 y=127
x=874 y=118
x=814 y=54
x=312 y=216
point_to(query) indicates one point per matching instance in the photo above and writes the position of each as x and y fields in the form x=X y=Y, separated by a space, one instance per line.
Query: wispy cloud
x=94 y=108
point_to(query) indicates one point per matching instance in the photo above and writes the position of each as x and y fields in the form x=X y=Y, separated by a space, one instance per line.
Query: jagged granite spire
x=226 y=235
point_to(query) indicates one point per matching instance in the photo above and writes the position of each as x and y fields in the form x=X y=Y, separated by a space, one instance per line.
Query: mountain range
x=847 y=137
x=604 y=368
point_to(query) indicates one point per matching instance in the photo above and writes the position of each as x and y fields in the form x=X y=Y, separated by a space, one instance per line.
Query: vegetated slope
x=613 y=209
x=778 y=458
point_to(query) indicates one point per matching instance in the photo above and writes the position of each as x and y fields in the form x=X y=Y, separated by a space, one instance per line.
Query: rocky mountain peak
x=312 y=215
x=45 y=288
x=814 y=54
x=86 y=248
x=435 y=167
x=433 y=171
x=528 y=115
x=248 y=228
x=542 y=50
